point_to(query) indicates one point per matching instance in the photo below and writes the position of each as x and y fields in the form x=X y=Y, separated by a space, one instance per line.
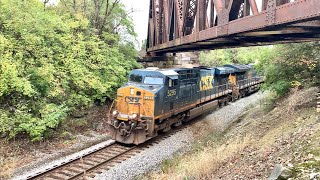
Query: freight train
x=155 y=100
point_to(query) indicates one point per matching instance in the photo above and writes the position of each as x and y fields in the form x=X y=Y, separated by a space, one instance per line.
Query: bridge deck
x=215 y=24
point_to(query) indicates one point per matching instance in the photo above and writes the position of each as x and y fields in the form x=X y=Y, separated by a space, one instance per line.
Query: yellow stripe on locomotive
x=154 y=100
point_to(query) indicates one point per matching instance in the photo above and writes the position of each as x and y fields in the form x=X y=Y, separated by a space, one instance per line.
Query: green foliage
x=239 y=55
x=106 y=17
x=284 y=66
x=281 y=87
x=53 y=62
x=216 y=57
x=144 y=44
x=292 y=65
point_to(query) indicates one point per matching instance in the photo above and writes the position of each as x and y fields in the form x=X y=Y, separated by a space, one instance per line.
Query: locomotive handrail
x=216 y=91
x=110 y=109
x=248 y=81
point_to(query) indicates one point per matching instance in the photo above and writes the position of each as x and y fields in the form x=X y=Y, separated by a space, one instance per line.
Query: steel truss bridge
x=191 y=25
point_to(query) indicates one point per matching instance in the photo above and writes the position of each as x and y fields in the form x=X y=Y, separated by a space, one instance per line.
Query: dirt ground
x=288 y=135
x=250 y=148
x=75 y=134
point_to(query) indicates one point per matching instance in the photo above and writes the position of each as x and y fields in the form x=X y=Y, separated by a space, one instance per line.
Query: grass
x=270 y=133
x=200 y=162
x=20 y=152
x=269 y=102
x=305 y=168
x=7 y=168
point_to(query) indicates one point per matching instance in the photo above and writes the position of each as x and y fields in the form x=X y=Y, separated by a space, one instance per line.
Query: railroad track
x=88 y=166
x=92 y=164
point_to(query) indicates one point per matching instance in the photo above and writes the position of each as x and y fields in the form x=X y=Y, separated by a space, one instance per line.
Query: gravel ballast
x=62 y=160
x=150 y=158
x=221 y=118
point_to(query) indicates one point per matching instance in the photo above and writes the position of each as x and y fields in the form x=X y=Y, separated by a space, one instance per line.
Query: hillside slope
x=251 y=148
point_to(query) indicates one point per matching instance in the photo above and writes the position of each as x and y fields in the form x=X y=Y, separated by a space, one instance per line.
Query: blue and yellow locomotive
x=155 y=99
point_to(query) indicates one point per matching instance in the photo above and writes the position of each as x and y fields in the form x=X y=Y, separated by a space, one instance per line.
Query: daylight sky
x=140 y=16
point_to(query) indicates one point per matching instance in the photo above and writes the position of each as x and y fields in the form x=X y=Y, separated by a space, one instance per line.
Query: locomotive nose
x=133 y=102
x=133 y=117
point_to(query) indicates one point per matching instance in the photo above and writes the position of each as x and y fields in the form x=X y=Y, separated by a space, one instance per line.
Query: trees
x=284 y=66
x=215 y=58
x=105 y=16
x=292 y=65
x=144 y=44
x=244 y=55
x=53 y=62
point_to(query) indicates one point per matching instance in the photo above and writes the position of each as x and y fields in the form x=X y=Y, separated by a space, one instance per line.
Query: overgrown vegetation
x=293 y=65
x=284 y=66
x=201 y=161
x=58 y=59
x=239 y=55
x=254 y=143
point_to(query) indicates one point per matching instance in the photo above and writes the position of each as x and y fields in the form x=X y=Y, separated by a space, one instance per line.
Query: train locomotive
x=155 y=99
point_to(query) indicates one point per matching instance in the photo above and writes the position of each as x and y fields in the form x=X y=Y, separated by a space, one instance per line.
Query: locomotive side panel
x=154 y=100
x=206 y=83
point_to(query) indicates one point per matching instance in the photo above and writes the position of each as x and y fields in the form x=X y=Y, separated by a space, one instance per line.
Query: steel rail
x=109 y=160
x=68 y=164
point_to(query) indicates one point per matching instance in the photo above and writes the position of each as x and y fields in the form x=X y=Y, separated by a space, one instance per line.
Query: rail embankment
x=270 y=139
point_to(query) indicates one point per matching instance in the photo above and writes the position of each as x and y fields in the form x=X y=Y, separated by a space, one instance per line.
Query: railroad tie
x=66 y=173
x=318 y=102
x=74 y=169
x=58 y=176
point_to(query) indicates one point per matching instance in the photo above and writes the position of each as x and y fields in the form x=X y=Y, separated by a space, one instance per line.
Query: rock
x=66 y=135
x=100 y=127
x=310 y=156
x=280 y=172
x=314 y=176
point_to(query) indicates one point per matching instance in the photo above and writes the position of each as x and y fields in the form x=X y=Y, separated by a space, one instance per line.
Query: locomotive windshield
x=153 y=80
x=135 y=78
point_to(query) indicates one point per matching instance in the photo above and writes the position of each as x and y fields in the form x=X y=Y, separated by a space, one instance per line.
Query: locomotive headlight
x=131 y=91
x=115 y=112
x=134 y=116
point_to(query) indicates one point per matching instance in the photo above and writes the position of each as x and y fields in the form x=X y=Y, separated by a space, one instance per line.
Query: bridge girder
x=190 y=25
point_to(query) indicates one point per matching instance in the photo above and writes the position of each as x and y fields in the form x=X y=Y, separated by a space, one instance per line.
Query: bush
x=281 y=87
x=52 y=63
x=243 y=55
x=293 y=65
x=284 y=66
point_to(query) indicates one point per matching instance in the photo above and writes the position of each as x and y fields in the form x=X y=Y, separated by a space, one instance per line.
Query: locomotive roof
x=205 y=67
x=238 y=67
x=169 y=72
x=224 y=70
x=165 y=72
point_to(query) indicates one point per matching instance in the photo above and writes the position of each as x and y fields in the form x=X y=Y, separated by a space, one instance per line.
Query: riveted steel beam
x=179 y=25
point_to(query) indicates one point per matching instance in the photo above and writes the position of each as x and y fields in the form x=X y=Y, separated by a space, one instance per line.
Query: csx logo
x=132 y=99
x=206 y=83
x=172 y=92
